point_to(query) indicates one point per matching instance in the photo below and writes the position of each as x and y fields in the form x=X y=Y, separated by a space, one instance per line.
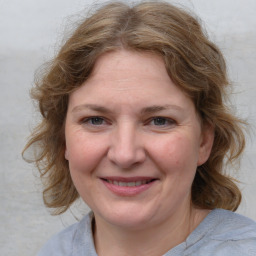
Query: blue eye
x=159 y=121
x=94 y=120
x=162 y=121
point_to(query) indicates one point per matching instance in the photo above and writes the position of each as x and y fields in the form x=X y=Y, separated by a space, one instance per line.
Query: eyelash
x=152 y=121
x=169 y=121
x=89 y=120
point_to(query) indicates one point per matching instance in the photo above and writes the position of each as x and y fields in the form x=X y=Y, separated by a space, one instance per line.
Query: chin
x=127 y=219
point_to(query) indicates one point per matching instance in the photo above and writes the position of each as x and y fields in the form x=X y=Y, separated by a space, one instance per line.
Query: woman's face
x=133 y=141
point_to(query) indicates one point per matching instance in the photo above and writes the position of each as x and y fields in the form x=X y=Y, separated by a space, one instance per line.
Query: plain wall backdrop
x=30 y=31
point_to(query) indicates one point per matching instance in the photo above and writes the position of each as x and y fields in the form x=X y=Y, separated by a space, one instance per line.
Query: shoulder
x=224 y=232
x=232 y=226
x=69 y=241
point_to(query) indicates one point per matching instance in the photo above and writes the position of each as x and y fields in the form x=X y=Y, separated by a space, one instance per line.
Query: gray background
x=30 y=32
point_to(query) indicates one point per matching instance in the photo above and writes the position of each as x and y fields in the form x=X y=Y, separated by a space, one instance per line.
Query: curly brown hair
x=194 y=63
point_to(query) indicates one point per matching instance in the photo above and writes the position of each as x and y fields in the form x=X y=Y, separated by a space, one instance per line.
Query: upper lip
x=128 y=179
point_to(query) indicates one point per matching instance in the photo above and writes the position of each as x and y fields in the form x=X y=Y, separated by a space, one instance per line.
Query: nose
x=126 y=149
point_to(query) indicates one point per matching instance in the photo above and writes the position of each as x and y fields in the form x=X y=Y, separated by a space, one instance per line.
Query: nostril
x=125 y=159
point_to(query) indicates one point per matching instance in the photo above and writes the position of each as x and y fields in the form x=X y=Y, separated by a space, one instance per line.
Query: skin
x=129 y=120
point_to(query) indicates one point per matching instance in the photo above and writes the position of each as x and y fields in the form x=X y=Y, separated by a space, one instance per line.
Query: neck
x=152 y=241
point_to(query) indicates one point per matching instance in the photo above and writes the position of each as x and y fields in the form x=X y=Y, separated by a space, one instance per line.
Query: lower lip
x=127 y=191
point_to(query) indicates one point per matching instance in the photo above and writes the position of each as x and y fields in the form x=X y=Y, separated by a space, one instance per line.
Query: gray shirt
x=221 y=233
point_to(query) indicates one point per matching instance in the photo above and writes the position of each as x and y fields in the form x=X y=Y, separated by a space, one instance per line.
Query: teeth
x=129 y=184
x=123 y=184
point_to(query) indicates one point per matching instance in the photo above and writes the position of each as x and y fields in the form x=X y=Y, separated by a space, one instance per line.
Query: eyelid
x=170 y=121
x=86 y=120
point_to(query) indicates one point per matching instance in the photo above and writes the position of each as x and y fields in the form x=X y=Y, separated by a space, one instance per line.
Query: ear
x=66 y=154
x=207 y=138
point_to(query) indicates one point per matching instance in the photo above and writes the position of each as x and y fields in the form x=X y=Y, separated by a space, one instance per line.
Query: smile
x=129 y=184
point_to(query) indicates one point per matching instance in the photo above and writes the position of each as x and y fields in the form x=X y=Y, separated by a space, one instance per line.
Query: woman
x=134 y=122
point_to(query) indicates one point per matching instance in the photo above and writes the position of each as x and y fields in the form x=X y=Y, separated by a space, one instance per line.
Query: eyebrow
x=157 y=108
x=94 y=107
x=146 y=110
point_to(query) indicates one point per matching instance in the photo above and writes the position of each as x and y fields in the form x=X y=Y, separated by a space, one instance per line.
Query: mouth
x=128 y=186
x=130 y=183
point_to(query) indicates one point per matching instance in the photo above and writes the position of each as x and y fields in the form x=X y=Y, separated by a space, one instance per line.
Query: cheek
x=84 y=152
x=177 y=154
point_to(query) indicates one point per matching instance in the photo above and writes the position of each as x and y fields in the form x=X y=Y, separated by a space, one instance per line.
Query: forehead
x=130 y=64
x=132 y=78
